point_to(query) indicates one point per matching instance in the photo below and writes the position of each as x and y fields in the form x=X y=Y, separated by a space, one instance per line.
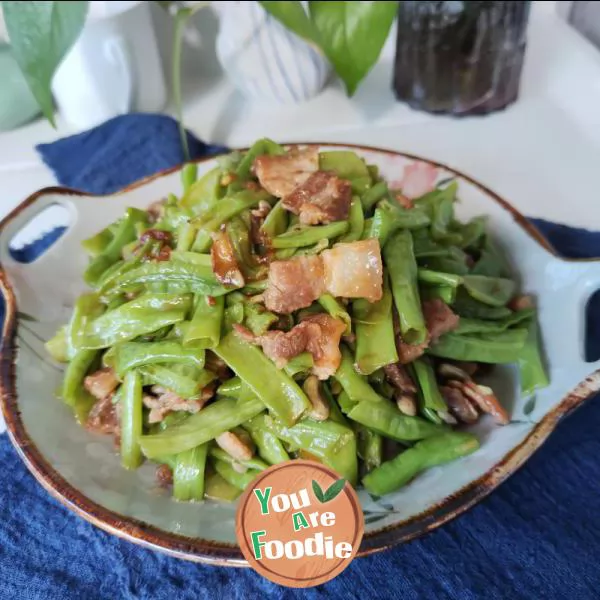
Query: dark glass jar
x=460 y=57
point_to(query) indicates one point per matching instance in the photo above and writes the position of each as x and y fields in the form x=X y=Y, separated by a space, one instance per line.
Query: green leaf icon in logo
x=335 y=488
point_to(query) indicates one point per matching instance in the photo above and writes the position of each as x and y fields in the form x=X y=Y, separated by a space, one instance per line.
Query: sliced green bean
x=131 y=355
x=185 y=386
x=532 y=371
x=499 y=347
x=347 y=165
x=189 y=174
x=494 y=291
x=216 y=488
x=141 y=316
x=268 y=445
x=402 y=267
x=307 y=236
x=385 y=419
x=131 y=420
x=204 y=329
x=369 y=447
x=73 y=392
x=260 y=147
x=373 y=195
x=274 y=387
x=467 y=326
x=229 y=474
x=201 y=427
x=204 y=193
x=438 y=278
x=276 y=222
x=374 y=325
x=301 y=363
x=425 y=454
x=444 y=292
x=355 y=385
x=188 y=474
x=429 y=396
x=251 y=463
x=356 y=220
x=466 y=306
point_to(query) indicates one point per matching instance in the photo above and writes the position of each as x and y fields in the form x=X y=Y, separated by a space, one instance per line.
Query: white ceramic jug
x=113 y=68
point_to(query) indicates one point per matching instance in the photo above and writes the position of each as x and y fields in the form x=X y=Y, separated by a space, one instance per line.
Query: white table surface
x=542 y=153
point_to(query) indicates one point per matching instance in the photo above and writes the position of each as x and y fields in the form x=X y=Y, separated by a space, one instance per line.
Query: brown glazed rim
x=216 y=553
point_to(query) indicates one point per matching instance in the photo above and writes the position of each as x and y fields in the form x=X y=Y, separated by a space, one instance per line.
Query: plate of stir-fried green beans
x=374 y=312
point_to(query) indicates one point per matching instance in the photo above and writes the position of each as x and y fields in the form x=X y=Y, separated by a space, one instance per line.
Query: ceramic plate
x=83 y=472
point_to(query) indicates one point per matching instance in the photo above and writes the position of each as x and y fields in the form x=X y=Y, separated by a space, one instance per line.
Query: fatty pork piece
x=322 y=198
x=439 y=319
x=318 y=334
x=351 y=270
x=280 y=175
x=354 y=270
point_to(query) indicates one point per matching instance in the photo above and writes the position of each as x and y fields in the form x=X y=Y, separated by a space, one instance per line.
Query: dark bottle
x=460 y=57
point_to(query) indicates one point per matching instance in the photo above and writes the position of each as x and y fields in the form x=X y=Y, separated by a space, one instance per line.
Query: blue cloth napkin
x=537 y=536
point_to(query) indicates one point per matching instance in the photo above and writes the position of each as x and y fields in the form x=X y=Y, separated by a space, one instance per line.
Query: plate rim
x=225 y=554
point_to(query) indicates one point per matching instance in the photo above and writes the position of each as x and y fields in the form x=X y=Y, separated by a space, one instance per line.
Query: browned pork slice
x=439 y=319
x=104 y=416
x=397 y=375
x=322 y=198
x=224 y=263
x=318 y=334
x=354 y=270
x=169 y=401
x=101 y=383
x=281 y=175
x=294 y=283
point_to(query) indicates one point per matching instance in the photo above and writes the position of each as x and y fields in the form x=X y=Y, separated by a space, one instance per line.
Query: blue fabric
x=537 y=536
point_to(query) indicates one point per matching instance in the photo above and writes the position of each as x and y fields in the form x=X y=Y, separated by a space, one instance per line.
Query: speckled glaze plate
x=82 y=471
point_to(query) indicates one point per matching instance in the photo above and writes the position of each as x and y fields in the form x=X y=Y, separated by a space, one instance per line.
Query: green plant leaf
x=41 y=34
x=352 y=35
x=292 y=15
x=318 y=491
x=334 y=489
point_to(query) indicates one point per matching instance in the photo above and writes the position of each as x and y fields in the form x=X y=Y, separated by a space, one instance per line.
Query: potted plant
x=349 y=35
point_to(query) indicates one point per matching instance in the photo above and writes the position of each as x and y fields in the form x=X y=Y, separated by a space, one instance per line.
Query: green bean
x=444 y=292
x=124 y=233
x=233 y=315
x=257 y=319
x=456 y=263
x=260 y=147
x=404 y=218
x=185 y=385
x=232 y=387
x=306 y=236
x=188 y=474
x=354 y=384
x=274 y=387
x=189 y=174
x=491 y=262
x=532 y=371
x=73 y=393
x=335 y=413
x=252 y=463
x=216 y=488
x=229 y=474
x=58 y=347
x=493 y=291
x=205 y=327
x=373 y=195
x=425 y=454
x=221 y=212
x=400 y=260
x=438 y=278
x=466 y=306
x=425 y=247
x=337 y=310
x=374 y=325
x=143 y=315
x=356 y=219
x=466 y=325
x=499 y=347
x=204 y=193
x=385 y=418
x=239 y=235
x=131 y=355
x=301 y=363
x=185 y=237
x=429 y=393
x=174 y=276
x=201 y=427
x=131 y=420
x=87 y=308
x=369 y=447
x=171 y=419
x=472 y=232
x=443 y=215
x=347 y=165
x=345 y=403
x=276 y=221
x=330 y=442
x=96 y=244
x=255 y=287
x=268 y=445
